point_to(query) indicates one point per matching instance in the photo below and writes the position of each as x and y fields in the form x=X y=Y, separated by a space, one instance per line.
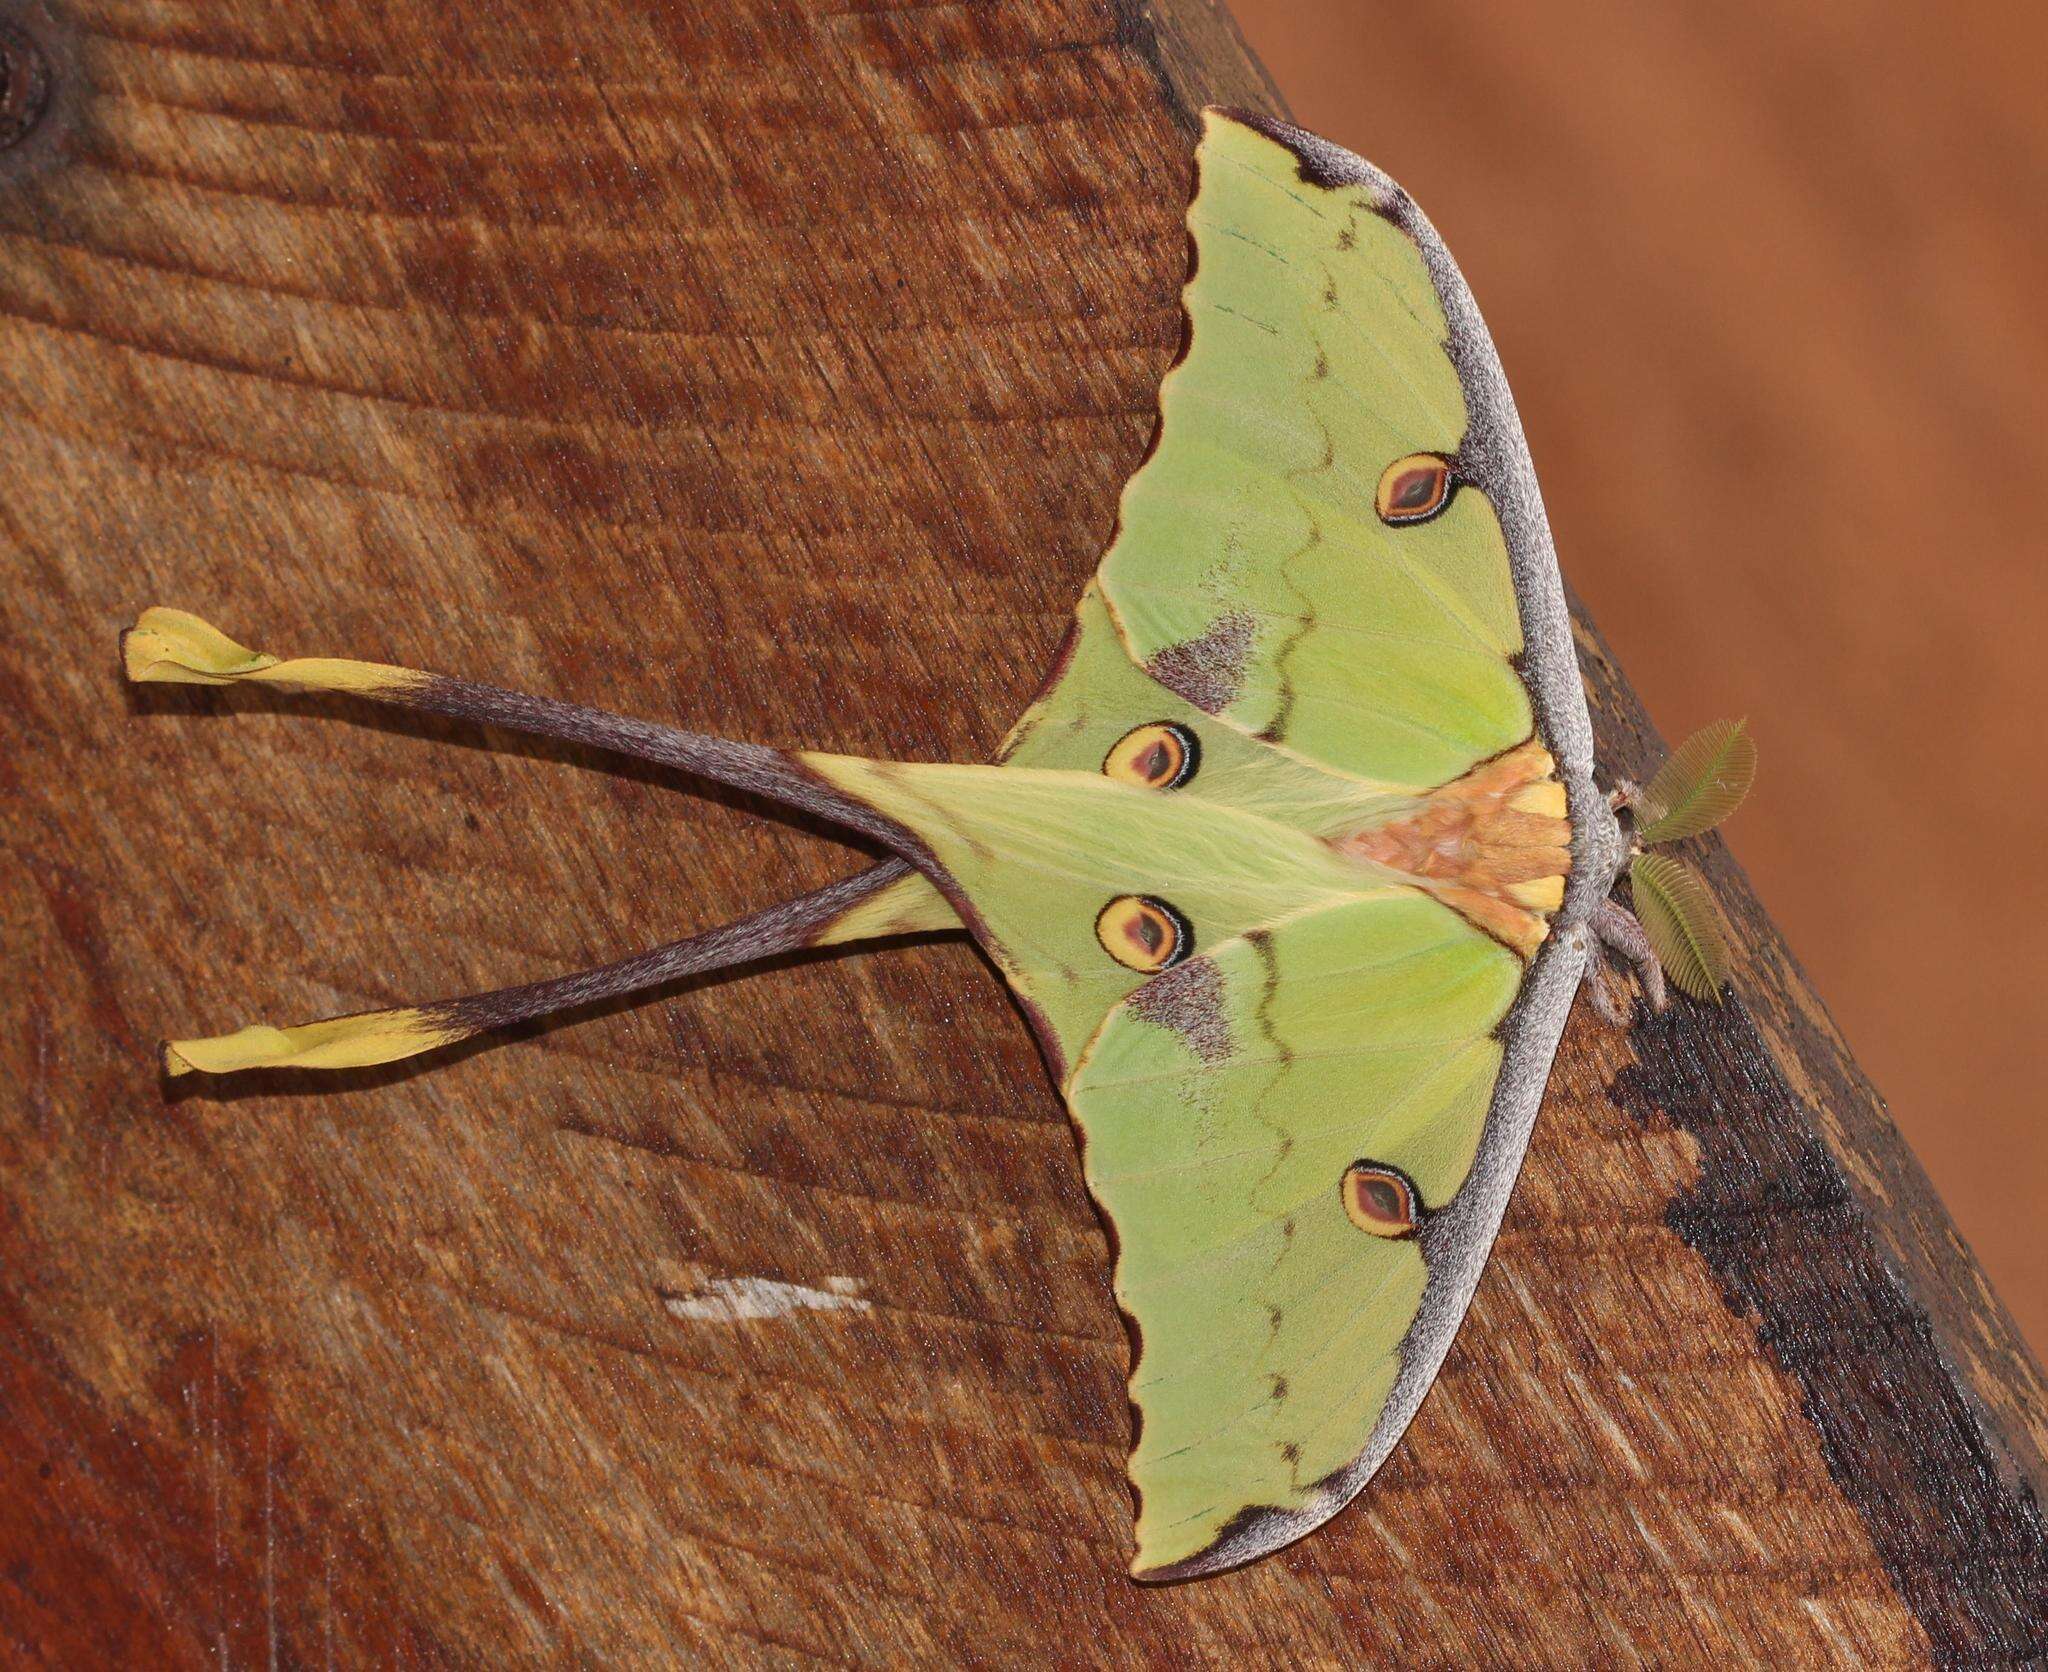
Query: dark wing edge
x=1458 y=1237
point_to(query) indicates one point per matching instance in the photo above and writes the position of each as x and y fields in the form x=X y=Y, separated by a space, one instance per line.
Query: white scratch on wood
x=1590 y=1403
x=1844 y=1650
x=1643 y=1529
x=1386 y=1533
x=1746 y=1532
x=731 y=1300
x=1648 y=1407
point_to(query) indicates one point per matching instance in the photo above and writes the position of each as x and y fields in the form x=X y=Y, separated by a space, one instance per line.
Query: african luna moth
x=1295 y=864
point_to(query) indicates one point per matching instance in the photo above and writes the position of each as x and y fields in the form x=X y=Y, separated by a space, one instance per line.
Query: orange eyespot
x=1161 y=756
x=1379 y=1200
x=1413 y=489
x=1144 y=934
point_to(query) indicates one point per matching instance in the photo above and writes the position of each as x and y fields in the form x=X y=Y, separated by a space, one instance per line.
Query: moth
x=1295 y=864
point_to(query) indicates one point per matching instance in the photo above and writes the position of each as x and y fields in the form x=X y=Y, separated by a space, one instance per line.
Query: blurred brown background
x=1768 y=282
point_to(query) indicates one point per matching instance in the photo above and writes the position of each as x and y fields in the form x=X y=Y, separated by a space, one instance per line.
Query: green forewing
x=1332 y=667
x=1251 y=570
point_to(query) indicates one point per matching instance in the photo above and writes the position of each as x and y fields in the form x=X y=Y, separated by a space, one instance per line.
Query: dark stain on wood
x=1775 y=1217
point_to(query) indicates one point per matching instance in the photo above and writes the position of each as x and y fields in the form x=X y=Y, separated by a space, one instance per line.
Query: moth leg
x=1626 y=793
x=1615 y=928
x=1599 y=984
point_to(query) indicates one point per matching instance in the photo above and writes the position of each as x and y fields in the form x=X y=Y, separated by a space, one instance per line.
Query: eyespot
x=1380 y=1200
x=1143 y=934
x=1412 y=490
x=1160 y=756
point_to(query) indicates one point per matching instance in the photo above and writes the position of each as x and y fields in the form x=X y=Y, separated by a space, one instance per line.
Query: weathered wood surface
x=773 y=370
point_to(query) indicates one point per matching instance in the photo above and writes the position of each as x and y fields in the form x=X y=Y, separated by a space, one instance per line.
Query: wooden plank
x=773 y=370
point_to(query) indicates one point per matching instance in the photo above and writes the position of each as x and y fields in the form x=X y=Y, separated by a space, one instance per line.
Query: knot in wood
x=24 y=84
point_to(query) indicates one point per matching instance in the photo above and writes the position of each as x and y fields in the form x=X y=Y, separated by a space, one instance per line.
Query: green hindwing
x=1036 y=856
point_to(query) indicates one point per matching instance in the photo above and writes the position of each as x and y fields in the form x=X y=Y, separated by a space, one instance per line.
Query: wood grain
x=772 y=370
